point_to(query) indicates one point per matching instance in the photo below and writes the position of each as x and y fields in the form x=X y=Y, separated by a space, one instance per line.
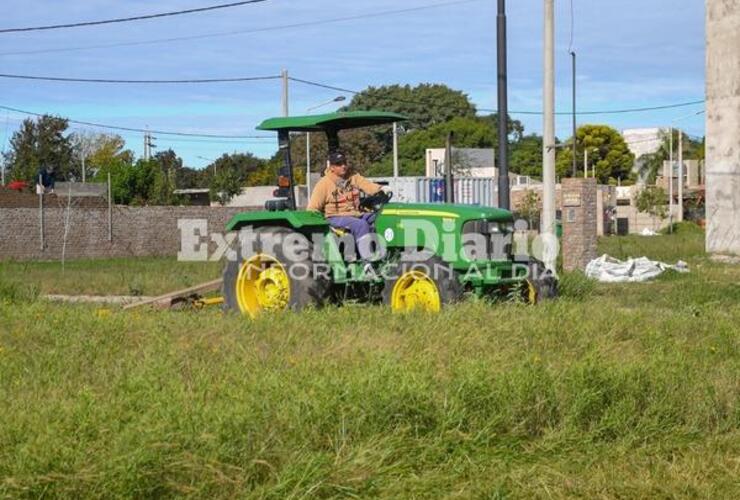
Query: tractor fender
x=300 y=220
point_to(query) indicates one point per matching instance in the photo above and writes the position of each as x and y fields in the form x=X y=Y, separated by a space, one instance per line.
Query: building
x=196 y=197
x=693 y=175
x=466 y=162
x=629 y=220
x=644 y=141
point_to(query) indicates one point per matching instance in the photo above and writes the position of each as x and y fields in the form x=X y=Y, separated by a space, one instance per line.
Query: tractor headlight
x=500 y=227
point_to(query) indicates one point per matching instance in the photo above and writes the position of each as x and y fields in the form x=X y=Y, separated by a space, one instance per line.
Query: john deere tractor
x=427 y=255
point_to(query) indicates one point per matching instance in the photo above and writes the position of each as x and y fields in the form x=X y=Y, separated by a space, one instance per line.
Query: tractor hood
x=446 y=211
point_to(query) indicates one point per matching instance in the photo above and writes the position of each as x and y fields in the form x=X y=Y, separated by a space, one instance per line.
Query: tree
x=39 y=143
x=529 y=207
x=361 y=146
x=468 y=133
x=607 y=151
x=526 y=156
x=652 y=200
x=241 y=165
x=425 y=105
x=514 y=128
x=224 y=186
x=99 y=150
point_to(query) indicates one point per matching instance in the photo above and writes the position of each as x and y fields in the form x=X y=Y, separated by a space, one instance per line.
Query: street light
x=585 y=161
x=338 y=98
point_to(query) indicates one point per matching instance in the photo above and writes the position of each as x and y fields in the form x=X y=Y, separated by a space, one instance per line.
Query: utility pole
x=308 y=134
x=308 y=165
x=449 y=180
x=680 y=175
x=575 y=127
x=670 y=183
x=503 y=110
x=148 y=145
x=585 y=163
x=548 y=141
x=395 y=150
x=83 y=166
x=284 y=77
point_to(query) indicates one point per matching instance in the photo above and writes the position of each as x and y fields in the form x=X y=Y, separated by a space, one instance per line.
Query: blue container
x=437 y=190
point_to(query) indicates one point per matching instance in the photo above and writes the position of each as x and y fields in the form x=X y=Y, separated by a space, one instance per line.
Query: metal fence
x=480 y=191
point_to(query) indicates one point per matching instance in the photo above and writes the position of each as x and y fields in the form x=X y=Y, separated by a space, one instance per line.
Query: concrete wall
x=723 y=126
x=137 y=231
x=638 y=221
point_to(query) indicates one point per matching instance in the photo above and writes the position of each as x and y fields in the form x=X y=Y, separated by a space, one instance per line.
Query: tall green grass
x=611 y=391
x=139 y=276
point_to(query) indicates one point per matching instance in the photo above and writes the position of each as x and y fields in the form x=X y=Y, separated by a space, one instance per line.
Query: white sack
x=610 y=270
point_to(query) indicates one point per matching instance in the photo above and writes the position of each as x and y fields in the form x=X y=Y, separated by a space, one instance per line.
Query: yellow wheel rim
x=262 y=285
x=531 y=292
x=415 y=290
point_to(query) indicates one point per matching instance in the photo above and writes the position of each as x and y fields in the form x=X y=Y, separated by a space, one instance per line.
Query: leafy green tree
x=361 y=146
x=224 y=186
x=99 y=150
x=426 y=104
x=526 y=156
x=515 y=128
x=39 y=143
x=240 y=165
x=529 y=207
x=607 y=151
x=652 y=200
x=468 y=133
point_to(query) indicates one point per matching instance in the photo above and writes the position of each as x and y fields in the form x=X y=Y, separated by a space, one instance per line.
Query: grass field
x=610 y=391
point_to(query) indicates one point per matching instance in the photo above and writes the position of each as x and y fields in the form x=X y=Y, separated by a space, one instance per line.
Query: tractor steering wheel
x=375 y=202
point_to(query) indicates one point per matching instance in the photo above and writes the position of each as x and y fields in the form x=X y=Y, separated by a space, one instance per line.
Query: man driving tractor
x=337 y=196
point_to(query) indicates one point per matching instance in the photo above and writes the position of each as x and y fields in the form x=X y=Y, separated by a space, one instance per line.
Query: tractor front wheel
x=425 y=284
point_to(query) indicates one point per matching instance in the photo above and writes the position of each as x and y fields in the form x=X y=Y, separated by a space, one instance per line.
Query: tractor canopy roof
x=331 y=121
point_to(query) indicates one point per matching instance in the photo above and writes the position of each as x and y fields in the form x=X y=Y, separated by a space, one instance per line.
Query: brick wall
x=579 y=223
x=137 y=231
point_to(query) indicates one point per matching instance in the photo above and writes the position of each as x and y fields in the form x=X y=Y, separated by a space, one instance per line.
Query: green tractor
x=428 y=255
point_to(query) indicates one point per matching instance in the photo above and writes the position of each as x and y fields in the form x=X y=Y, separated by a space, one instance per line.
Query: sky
x=632 y=53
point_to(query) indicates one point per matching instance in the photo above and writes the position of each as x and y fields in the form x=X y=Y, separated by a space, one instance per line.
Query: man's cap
x=337 y=158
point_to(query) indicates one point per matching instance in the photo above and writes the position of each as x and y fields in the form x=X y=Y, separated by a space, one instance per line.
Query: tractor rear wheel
x=426 y=284
x=267 y=280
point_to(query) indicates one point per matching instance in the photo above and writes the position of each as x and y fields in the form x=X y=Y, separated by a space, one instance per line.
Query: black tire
x=445 y=278
x=541 y=282
x=312 y=289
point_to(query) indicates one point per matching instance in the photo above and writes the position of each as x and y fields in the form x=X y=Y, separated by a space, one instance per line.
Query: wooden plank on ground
x=165 y=301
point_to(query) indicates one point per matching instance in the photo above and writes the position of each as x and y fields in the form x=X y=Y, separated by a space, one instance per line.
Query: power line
x=622 y=111
x=128 y=19
x=242 y=32
x=109 y=80
x=600 y=112
x=131 y=129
